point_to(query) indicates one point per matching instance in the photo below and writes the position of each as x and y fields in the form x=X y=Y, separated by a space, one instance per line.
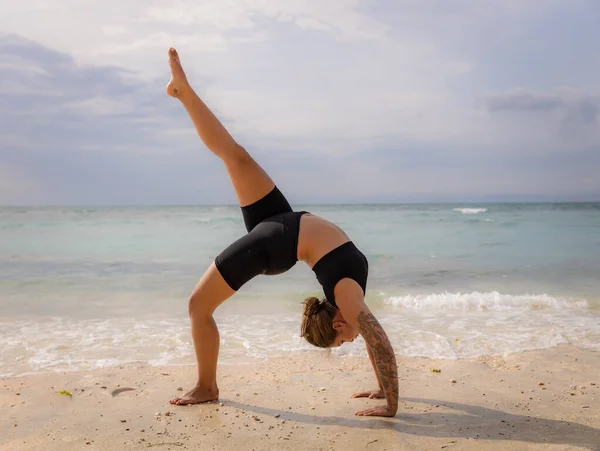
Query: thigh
x=250 y=181
x=274 y=203
x=242 y=260
x=211 y=291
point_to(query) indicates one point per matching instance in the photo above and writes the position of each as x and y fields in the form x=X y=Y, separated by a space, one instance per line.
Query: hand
x=380 y=411
x=372 y=394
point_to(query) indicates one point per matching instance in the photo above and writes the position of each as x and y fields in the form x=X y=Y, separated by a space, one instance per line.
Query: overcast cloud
x=341 y=101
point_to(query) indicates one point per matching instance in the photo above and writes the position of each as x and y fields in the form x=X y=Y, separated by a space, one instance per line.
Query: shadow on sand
x=455 y=420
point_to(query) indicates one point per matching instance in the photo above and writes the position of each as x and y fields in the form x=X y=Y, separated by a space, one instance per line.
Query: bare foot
x=197 y=395
x=178 y=83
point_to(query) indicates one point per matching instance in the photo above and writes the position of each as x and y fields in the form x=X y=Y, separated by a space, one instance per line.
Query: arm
x=384 y=361
x=372 y=359
x=350 y=301
x=372 y=394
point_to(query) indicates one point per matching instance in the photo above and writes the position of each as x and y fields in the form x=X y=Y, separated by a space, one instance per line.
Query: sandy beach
x=537 y=400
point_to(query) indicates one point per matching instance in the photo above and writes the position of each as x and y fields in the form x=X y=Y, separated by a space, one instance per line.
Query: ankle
x=208 y=388
x=184 y=93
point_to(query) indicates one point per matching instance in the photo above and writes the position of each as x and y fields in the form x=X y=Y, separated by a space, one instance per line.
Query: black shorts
x=271 y=245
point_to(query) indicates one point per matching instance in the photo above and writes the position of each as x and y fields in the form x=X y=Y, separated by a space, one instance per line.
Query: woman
x=277 y=238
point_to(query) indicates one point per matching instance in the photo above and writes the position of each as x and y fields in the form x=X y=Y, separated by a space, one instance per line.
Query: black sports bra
x=345 y=261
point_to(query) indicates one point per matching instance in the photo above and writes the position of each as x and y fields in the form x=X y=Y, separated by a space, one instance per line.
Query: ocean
x=89 y=287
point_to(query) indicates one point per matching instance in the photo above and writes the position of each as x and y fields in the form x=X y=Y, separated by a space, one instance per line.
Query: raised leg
x=210 y=292
x=250 y=181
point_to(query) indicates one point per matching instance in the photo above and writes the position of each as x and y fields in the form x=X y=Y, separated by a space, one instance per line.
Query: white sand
x=303 y=402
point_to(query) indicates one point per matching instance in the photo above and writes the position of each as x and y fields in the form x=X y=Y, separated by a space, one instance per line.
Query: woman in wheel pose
x=277 y=238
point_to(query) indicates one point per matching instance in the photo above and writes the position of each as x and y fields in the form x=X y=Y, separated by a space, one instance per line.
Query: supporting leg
x=210 y=292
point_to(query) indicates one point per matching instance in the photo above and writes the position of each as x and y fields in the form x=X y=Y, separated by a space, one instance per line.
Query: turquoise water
x=88 y=287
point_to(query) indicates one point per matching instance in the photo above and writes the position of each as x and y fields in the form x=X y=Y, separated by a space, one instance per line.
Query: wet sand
x=537 y=400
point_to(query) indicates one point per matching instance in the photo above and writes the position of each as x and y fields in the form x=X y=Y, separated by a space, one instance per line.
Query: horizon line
x=325 y=204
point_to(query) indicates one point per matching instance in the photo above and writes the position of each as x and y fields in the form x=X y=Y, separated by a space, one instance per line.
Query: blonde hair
x=317 y=322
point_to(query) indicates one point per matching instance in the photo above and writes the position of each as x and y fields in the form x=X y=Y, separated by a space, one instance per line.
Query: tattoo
x=383 y=354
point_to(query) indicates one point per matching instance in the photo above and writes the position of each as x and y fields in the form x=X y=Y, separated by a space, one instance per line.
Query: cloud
x=133 y=33
x=544 y=122
x=17 y=188
x=572 y=105
x=345 y=99
x=420 y=172
x=49 y=100
x=76 y=134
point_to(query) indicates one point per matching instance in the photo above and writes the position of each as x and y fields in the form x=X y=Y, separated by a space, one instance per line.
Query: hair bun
x=312 y=306
x=317 y=320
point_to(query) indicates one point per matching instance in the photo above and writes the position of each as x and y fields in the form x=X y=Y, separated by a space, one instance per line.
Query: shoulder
x=349 y=296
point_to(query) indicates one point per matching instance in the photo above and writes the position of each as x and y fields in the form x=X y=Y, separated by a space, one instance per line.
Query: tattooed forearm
x=372 y=359
x=383 y=354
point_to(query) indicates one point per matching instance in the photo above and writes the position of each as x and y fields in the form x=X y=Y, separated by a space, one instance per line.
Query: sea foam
x=483 y=301
x=470 y=211
x=448 y=326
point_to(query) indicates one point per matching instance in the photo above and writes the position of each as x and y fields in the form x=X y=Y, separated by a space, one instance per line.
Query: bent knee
x=198 y=308
x=210 y=292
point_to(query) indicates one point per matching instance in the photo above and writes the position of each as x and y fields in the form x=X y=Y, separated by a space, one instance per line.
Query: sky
x=340 y=101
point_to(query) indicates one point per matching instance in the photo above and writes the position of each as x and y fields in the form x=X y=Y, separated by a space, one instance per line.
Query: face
x=345 y=333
